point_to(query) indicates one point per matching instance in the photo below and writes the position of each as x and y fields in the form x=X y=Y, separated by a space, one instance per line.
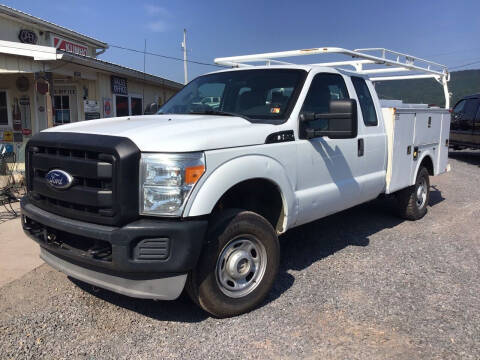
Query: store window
x=128 y=105
x=3 y=108
x=121 y=106
x=62 y=109
x=136 y=105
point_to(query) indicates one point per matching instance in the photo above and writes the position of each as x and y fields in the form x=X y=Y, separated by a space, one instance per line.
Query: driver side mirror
x=151 y=109
x=339 y=123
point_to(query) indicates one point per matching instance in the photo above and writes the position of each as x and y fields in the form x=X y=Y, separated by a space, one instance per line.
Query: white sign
x=57 y=91
x=91 y=106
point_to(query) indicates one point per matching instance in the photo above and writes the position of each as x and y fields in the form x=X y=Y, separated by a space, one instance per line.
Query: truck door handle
x=361 y=147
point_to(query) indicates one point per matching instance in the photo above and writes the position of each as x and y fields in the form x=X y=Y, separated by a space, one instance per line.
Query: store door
x=65 y=105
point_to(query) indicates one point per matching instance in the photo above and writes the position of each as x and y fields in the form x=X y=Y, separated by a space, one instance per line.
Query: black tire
x=228 y=229
x=409 y=205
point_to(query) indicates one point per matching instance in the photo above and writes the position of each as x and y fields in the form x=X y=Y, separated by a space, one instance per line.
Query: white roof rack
x=392 y=62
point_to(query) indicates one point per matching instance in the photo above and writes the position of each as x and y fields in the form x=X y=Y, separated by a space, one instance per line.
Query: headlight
x=167 y=180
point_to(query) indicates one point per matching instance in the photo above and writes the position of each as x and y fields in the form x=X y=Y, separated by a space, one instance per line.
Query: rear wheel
x=413 y=201
x=238 y=265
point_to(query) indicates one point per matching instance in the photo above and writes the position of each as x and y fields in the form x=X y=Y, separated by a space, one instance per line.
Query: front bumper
x=148 y=258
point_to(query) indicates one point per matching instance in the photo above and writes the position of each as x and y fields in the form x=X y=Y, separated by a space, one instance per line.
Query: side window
x=459 y=107
x=470 y=109
x=457 y=115
x=366 y=102
x=324 y=87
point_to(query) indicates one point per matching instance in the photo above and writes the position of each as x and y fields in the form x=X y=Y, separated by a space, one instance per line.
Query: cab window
x=369 y=112
x=324 y=87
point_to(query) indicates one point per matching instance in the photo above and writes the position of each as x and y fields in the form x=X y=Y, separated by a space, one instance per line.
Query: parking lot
x=361 y=284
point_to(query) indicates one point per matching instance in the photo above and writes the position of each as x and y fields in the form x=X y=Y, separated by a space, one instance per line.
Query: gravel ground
x=357 y=285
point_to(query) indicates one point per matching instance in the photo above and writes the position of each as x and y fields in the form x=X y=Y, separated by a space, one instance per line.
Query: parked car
x=211 y=101
x=465 y=125
x=196 y=198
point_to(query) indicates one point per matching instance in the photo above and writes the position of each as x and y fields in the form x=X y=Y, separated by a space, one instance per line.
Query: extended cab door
x=335 y=174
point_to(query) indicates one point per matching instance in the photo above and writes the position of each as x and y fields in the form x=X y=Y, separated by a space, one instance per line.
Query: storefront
x=50 y=76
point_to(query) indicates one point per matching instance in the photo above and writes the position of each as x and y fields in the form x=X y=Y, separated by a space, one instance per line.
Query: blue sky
x=443 y=31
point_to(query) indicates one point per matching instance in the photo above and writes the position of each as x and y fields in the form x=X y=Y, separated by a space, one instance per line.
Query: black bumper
x=144 y=248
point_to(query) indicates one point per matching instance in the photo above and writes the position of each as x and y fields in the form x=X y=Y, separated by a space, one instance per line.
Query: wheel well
x=258 y=195
x=427 y=162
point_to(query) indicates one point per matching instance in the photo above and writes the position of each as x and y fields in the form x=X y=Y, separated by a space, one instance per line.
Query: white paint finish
x=177 y=133
x=408 y=126
x=425 y=134
x=316 y=177
x=331 y=176
x=401 y=163
x=228 y=167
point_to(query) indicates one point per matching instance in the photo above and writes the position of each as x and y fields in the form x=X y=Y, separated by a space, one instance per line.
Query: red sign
x=107 y=107
x=70 y=47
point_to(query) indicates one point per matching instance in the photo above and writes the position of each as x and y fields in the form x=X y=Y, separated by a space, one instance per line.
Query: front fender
x=242 y=168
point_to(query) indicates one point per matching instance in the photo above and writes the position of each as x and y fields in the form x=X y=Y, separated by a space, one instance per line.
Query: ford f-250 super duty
x=195 y=196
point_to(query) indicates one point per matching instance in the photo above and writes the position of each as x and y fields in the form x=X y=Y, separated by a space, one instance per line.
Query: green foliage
x=429 y=91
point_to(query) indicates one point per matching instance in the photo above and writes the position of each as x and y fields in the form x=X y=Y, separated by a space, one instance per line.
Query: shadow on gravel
x=315 y=241
x=435 y=196
x=301 y=247
x=307 y=244
x=470 y=157
x=180 y=310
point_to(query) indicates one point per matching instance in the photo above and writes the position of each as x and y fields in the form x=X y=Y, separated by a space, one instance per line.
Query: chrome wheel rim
x=241 y=266
x=422 y=193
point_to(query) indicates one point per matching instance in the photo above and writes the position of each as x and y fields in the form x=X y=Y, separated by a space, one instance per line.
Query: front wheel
x=413 y=201
x=238 y=265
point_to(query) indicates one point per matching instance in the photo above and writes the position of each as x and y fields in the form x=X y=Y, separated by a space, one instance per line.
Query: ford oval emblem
x=59 y=179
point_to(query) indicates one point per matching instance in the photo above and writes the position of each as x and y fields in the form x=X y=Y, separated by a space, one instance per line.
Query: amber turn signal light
x=193 y=173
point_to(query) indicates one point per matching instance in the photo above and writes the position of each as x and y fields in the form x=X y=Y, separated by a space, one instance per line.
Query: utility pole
x=184 y=47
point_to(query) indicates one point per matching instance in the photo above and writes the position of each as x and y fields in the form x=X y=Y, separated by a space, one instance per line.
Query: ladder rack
x=393 y=62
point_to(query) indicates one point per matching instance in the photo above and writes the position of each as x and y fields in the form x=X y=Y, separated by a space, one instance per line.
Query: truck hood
x=176 y=133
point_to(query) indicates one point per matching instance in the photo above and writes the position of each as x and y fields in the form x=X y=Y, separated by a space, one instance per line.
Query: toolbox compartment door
x=400 y=132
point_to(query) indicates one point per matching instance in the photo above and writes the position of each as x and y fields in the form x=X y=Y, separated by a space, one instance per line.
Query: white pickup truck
x=196 y=196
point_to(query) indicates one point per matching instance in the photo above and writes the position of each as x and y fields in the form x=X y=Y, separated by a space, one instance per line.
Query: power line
x=166 y=56
x=464 y=65
x=455 y=52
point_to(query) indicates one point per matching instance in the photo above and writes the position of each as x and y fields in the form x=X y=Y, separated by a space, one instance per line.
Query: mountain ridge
x=428 y=91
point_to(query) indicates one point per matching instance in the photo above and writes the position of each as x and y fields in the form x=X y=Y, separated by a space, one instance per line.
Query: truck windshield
x=260 y=94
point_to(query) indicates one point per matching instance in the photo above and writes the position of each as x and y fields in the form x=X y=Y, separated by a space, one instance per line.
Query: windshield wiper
x=218 y=112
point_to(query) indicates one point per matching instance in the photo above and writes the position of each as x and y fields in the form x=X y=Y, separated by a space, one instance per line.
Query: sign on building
x=91 y=109
x=68 y=46
x=119 y=85
x=107 y=107
x=27 y=36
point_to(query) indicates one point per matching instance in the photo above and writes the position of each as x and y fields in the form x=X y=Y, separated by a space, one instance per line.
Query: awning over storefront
x=46 y=58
